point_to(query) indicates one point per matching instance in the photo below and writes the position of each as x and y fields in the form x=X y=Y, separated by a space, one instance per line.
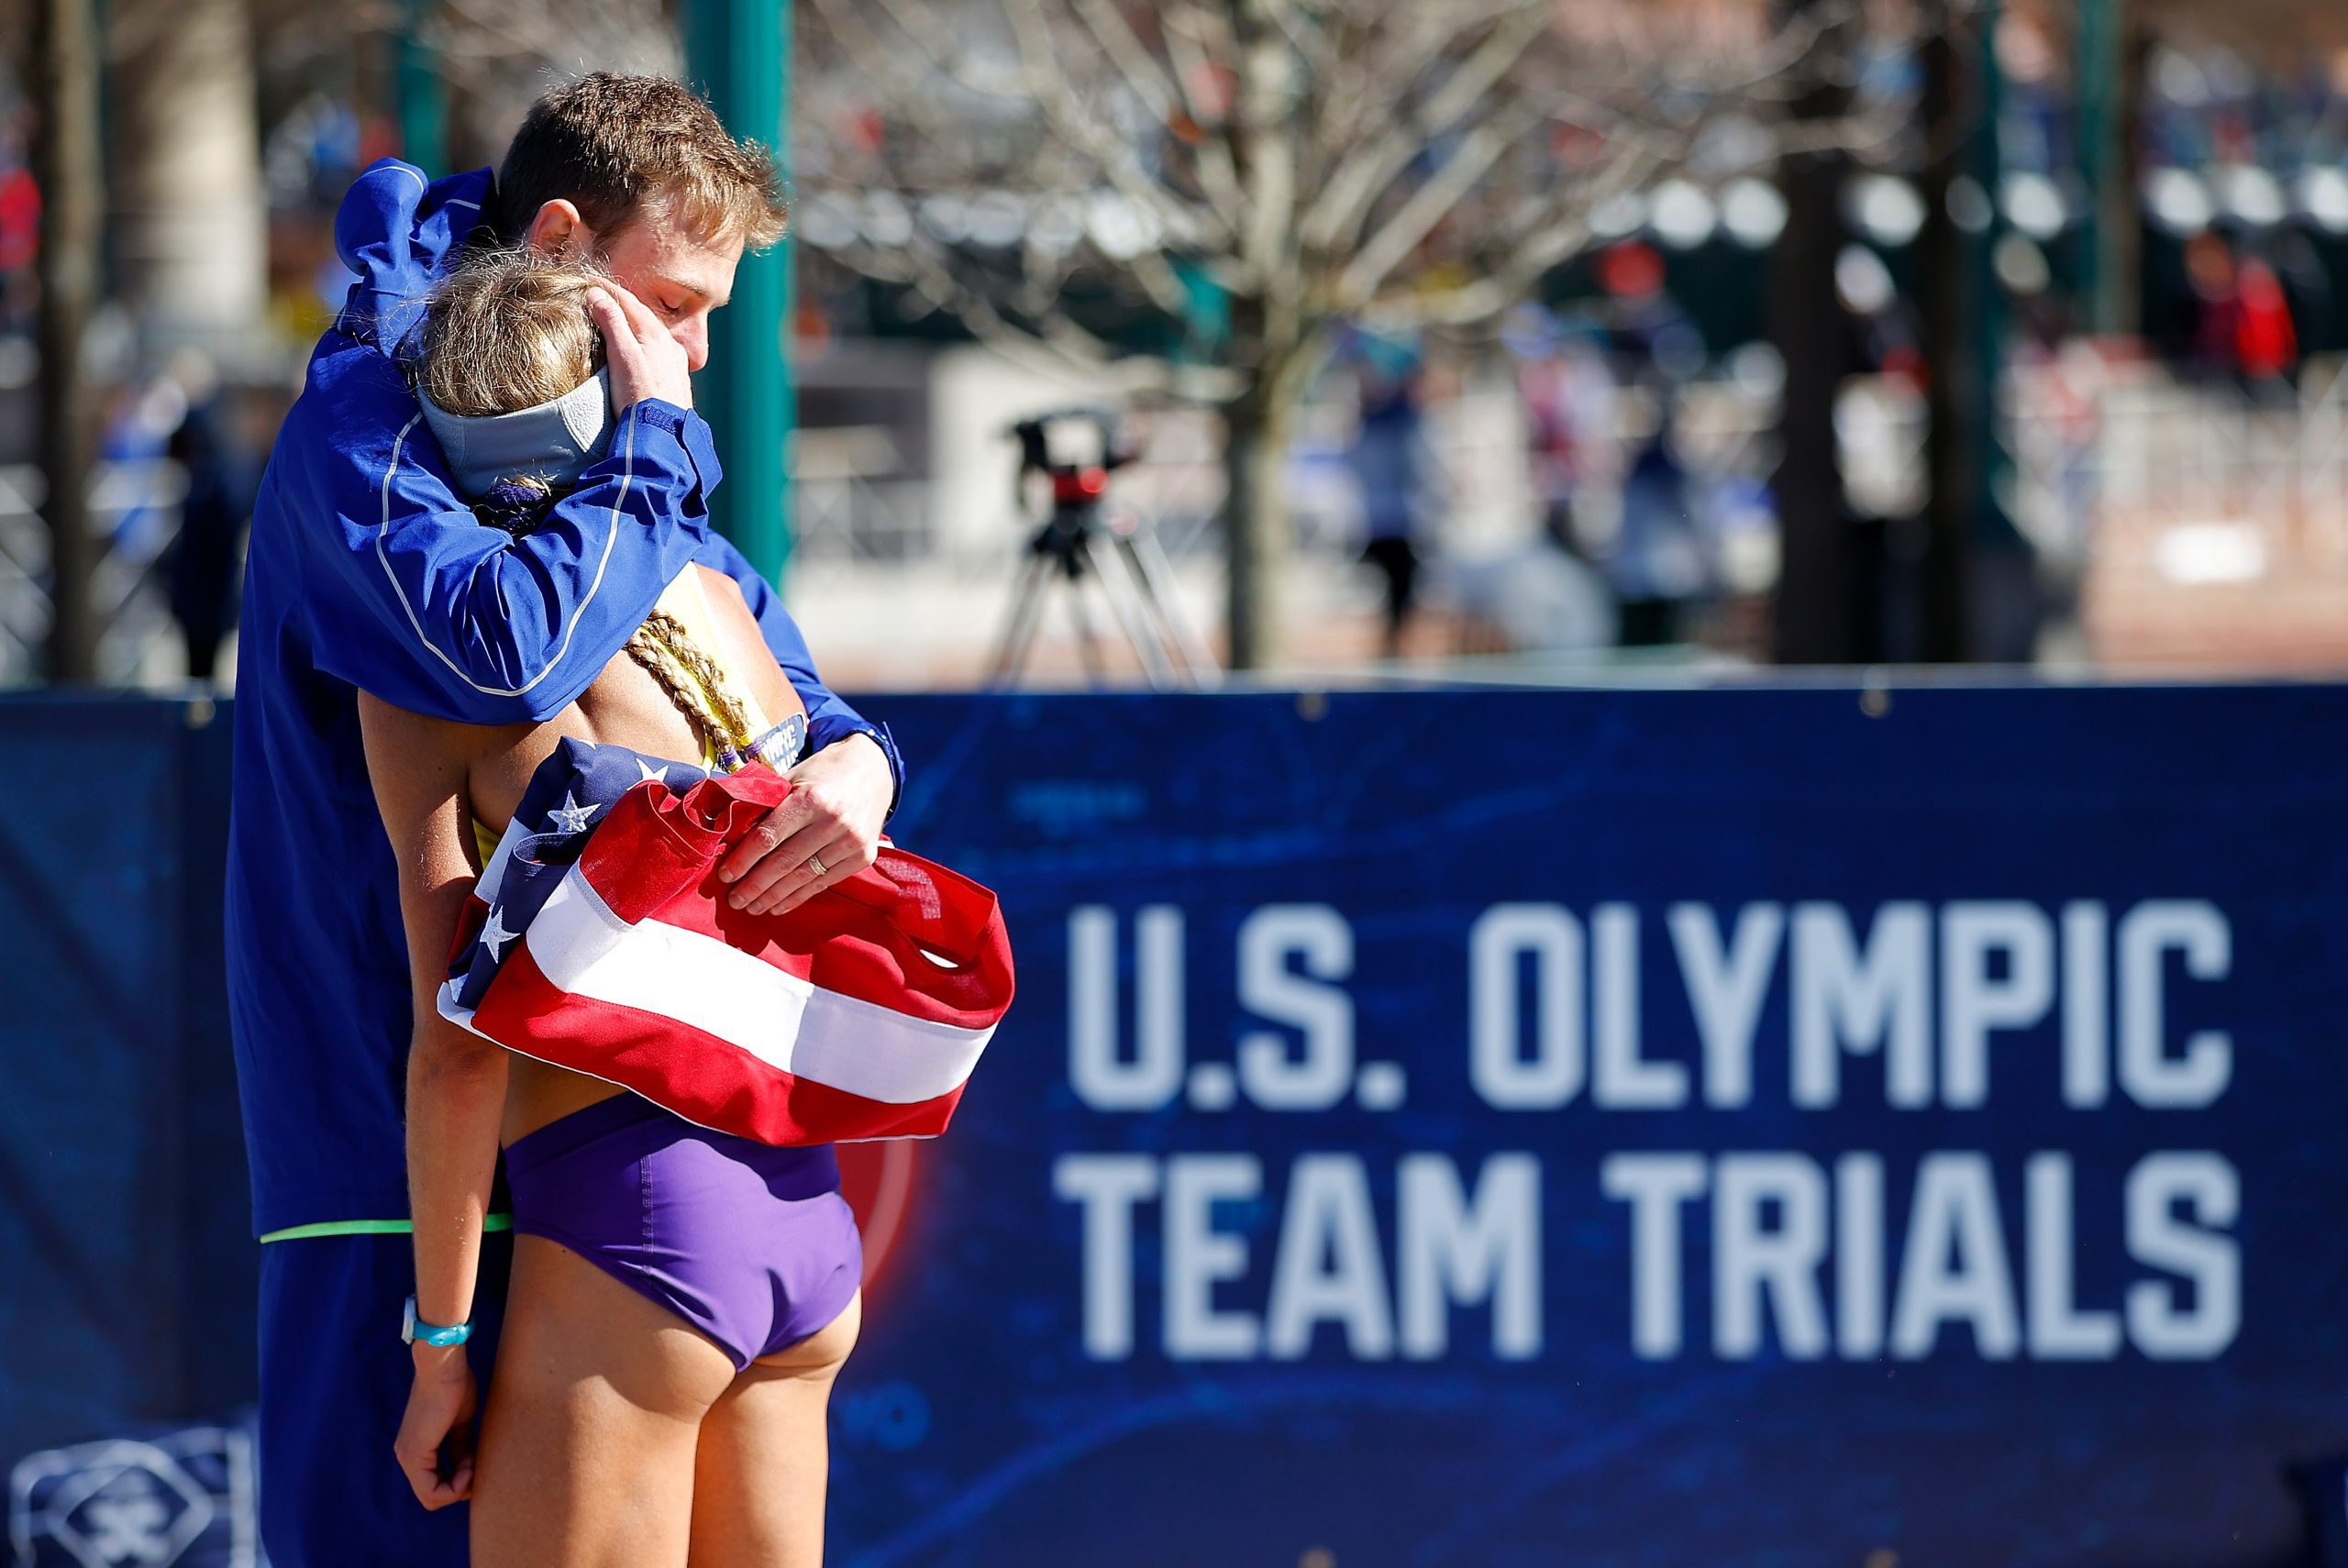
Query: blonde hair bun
x=508 y=330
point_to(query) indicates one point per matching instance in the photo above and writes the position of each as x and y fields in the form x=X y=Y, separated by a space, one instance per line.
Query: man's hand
x=646 y=359
x=440 y=1408
x=829 y=830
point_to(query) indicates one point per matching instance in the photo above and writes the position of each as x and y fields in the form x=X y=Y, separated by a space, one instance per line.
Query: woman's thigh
x=758 y=1479
x=591 y=1421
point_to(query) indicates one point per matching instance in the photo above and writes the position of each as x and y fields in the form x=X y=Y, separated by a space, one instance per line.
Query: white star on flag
x=650 y=772
x=494 y=935
x=570 y=816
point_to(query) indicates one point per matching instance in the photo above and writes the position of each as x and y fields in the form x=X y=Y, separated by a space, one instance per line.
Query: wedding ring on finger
x=817 y=866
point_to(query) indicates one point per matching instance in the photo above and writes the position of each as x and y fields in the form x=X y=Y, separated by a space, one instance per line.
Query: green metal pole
x=423 y=95
x=2104 y=252
x=737 y=51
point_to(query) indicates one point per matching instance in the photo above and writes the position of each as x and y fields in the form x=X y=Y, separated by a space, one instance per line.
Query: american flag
x=598 y=938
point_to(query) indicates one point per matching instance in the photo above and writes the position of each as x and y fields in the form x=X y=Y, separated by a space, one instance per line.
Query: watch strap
x=416 y=1331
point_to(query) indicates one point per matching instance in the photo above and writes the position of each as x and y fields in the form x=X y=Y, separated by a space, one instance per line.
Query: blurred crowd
x=1637 y=388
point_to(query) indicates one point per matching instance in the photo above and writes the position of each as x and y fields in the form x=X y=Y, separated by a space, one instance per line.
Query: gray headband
x=556 y=441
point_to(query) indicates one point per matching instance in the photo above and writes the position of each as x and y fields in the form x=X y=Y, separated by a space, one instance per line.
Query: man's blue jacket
x=367 y=572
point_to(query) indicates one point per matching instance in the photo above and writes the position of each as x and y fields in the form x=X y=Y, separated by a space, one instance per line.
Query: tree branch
x=904 y=85
x=1427 y=206
x=1554 y=231
x=1218 y=175
x=1362 y=177
x=1046 y=81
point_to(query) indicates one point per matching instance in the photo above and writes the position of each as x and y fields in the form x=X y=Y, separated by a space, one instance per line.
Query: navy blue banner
x=126 y=1260
x=1732 y=1126
x=1626 y=1127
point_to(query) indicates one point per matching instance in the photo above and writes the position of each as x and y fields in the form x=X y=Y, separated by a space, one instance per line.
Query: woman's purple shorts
x=750 y=1244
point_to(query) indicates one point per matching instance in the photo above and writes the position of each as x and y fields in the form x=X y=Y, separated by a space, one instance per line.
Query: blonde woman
x=681 y=1299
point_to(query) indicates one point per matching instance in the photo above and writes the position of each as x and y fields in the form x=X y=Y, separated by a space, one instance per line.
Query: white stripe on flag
x=848 y=1044
x=456 y=1012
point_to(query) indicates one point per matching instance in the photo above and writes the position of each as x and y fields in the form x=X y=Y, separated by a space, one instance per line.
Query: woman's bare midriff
x=623 y=706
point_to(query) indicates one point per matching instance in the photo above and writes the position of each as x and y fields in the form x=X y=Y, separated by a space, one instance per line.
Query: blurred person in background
x=1539 y=594
x=1388 y=461
x=2215 y=281
x=200 y=566
x=2306 y=288
x=19 y=235
x=1658 y=561
x=2267 y=343
x=1556 y=453
x=366 y=571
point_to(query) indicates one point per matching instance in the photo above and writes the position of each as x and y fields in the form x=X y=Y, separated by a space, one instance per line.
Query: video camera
x=1080 y=479
x=1078 y=541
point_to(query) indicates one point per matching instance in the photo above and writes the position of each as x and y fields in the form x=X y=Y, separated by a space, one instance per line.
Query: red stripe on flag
x=866 y=938
x=469 y=921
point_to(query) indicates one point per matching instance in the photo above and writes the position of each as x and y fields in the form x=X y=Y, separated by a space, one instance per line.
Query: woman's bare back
x=622 y=706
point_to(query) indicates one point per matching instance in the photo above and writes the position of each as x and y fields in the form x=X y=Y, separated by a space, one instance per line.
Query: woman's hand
x=440 y=1408
x=829 y=830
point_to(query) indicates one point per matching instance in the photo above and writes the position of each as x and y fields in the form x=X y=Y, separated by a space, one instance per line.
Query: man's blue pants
x=333 y=1381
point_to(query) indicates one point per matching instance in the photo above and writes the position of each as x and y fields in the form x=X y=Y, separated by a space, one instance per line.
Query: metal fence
x=134 y=509
x=2275 y=462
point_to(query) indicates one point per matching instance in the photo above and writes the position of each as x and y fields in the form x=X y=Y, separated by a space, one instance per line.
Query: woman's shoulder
x=728 y=611
x=724 y=593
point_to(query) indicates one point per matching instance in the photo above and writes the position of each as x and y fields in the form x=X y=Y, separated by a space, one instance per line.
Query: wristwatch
x=414 y=1328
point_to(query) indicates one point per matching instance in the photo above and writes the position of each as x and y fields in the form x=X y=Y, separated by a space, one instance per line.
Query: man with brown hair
x=367 y=572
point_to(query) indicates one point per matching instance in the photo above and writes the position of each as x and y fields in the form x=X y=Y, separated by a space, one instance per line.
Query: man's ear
x=559 y=231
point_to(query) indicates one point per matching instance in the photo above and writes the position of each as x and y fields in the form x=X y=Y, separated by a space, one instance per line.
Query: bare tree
x=1825 y=599
x=65 y=77
x=499 y=55
x=184 y=175
x=1259 y=171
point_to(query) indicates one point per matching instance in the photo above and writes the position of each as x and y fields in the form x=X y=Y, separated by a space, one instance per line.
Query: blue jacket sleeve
x=414 y=600
x=828 y=717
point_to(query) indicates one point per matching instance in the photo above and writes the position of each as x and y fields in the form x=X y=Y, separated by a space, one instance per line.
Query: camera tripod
x=1067 y=548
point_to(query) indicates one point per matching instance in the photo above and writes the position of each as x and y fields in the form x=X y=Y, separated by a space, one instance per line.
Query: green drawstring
x=370 y=1227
